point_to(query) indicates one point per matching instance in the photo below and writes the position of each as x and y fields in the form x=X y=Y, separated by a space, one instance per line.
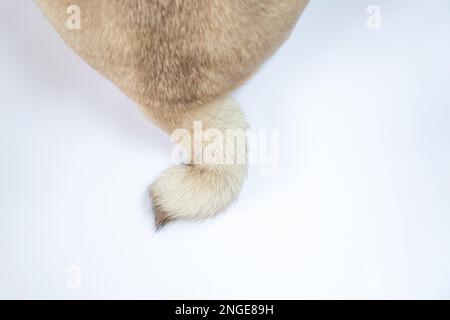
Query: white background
x=360 y=206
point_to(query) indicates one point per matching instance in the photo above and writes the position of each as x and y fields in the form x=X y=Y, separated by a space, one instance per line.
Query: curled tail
x=214 y=138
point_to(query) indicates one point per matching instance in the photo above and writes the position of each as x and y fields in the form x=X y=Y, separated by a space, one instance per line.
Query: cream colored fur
x=201 y=190
x=179 y=59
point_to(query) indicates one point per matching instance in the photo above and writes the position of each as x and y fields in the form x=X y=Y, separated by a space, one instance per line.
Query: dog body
x=179 y=59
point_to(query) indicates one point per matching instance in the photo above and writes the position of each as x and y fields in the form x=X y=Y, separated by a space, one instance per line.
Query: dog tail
x=214 y=140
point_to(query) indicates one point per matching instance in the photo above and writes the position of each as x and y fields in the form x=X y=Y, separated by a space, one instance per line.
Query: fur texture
x=179 y=59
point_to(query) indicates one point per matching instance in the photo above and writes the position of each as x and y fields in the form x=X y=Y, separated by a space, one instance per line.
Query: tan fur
x=179 y=59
